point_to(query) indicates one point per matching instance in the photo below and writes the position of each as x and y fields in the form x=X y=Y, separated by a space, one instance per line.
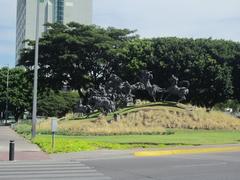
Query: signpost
x=54 y=129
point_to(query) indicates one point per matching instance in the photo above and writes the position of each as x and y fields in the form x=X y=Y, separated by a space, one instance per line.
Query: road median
x=187 y=151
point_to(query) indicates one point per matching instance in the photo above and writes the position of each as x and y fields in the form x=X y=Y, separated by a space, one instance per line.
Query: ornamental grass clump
x=147 y=120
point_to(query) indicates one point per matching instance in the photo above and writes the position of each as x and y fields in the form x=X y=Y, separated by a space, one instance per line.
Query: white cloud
x=184 y=18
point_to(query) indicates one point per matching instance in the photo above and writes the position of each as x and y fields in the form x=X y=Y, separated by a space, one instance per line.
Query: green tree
x=19 y=91
x=57 y=103
x=77 y=55
x=139 y=53
x=210 y=74
x=235 y=65
x=83 y=56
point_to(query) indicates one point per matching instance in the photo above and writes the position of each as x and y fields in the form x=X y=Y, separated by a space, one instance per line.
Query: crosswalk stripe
x=44 y=169
x=61 y=178
x=49 y=170
x=4 y=163
x=41 y=165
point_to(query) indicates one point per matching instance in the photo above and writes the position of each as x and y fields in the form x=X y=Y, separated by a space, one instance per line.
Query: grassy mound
x=154 y=118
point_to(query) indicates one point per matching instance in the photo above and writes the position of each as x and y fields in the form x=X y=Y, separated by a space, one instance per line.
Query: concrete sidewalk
x=24 y=150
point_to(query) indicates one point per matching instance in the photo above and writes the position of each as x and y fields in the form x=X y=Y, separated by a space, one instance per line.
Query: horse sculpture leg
x=154 y=99
x=168 y=95
x=161 y=98
x=182 y=98
x=153 y=94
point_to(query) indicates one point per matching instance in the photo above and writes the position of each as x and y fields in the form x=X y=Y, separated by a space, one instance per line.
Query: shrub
x=24 y=129
x=233 y=104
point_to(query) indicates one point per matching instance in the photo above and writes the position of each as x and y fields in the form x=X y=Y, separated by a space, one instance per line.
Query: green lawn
x=180 y=137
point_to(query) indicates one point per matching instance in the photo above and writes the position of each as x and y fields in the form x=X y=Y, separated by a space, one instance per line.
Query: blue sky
x=219 y=19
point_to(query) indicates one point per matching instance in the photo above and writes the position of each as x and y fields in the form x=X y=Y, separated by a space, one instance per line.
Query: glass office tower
x=59 y=11
x=51 y=11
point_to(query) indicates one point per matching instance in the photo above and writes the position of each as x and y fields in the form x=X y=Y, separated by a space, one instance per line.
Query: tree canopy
x=57 y=104
x=77 y=55
x=83 y=56
x=19 y=94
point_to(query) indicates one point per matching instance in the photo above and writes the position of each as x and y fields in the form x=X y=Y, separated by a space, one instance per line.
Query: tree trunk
x=17 y=114
x=16 y=117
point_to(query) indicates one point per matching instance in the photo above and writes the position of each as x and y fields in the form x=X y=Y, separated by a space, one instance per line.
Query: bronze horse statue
x=181 y=92
x=152 y=89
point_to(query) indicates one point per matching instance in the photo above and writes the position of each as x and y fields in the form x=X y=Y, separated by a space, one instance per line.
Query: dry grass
x=149 y=120
x=102 y=126
x=189 y=118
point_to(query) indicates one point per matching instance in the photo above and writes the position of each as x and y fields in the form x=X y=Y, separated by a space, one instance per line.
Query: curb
x=25 y=156
x=186 y=151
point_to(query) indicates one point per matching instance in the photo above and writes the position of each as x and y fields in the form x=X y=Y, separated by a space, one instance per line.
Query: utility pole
x=35 y=84
x=7 y=87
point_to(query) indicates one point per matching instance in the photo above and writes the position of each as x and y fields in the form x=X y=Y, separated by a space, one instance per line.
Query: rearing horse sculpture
x=174 y=89
x=152 y=89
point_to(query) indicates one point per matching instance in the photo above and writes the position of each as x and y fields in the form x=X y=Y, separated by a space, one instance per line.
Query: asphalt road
x=49 y=170
x=223 y=166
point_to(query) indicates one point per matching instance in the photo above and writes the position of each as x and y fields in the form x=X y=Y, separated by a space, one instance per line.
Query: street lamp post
x=35 y=84
x=7 y=87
